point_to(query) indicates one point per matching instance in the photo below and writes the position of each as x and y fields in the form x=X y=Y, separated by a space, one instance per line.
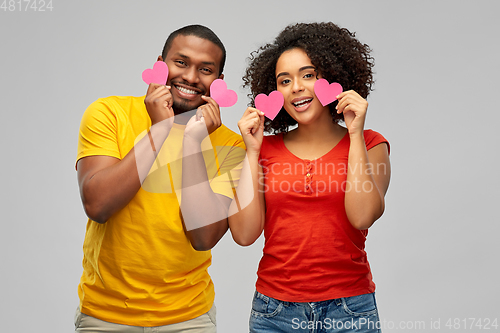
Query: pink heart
x=327 y=93
x=271 y=104
x=159 y=73
x=223 y=96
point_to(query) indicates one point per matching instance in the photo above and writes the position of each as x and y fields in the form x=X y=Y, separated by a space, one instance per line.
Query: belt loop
x=338 y=301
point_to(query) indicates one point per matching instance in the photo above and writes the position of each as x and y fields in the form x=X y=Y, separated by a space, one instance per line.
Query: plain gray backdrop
x=434 y=253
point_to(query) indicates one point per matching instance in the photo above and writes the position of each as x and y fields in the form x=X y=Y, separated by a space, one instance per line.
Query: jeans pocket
x=264 y=306
x=362 y=305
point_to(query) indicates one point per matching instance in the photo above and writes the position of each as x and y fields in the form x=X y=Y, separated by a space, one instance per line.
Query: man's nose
x=191 y=75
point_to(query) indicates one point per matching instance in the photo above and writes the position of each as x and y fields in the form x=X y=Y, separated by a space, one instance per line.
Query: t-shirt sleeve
x=230 y=162
x=373 y=139
x=98 y=132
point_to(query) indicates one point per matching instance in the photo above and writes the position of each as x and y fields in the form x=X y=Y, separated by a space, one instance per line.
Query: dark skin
x=108 y=184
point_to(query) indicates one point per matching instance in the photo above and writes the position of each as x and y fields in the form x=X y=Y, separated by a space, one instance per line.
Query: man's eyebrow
x=181 y=55
x=300 y=70
x=208 y=63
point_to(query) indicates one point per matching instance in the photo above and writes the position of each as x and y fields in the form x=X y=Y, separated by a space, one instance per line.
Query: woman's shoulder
x=373 y=138
x=273 y=139
x=271 y=144
x=371 y=133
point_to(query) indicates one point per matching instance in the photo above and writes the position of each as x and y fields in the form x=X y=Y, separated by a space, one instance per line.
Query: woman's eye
x=285 y=81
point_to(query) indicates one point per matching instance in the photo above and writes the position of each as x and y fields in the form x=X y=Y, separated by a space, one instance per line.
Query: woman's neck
x=318 y=132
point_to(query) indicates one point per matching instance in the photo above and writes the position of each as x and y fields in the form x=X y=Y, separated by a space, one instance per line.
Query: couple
x=146 y=256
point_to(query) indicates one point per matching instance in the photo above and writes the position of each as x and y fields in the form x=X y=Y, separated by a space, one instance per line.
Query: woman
x=316 y=188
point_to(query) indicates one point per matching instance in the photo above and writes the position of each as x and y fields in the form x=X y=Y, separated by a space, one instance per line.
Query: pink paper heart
x=223 y=96
x=159 y=73
x=271 y=104
x=327 y=93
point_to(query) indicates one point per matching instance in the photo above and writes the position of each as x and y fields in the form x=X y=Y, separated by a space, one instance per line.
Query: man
x=136 y=156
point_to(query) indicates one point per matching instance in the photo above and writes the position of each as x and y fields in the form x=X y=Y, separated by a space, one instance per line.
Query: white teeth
x=302 y=102
x=187 y=91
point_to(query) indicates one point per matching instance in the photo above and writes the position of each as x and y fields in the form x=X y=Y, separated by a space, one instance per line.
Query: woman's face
x=295 y=78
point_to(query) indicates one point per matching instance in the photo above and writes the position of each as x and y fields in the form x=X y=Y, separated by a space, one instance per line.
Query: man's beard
x=182 y=106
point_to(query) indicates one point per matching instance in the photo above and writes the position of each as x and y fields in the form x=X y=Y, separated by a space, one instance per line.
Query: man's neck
x=183 y=118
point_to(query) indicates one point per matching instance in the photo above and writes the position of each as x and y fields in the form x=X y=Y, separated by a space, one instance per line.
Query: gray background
x=433 y=253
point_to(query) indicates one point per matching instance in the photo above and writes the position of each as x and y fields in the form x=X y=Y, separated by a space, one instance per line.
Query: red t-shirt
x=312 y=252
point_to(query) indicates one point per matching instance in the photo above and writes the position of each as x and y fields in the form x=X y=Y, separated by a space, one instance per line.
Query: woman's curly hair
x=335 y=52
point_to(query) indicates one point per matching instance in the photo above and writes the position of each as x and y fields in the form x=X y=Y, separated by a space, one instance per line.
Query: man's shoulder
x=224 y=135
x=223 y=129
x=120 y=100
x=116 y=106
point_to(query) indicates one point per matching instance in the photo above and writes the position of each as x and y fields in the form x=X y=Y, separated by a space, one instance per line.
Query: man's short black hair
x=198 y=31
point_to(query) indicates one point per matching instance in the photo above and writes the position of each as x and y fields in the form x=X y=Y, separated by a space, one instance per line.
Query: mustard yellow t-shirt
x=139 y=268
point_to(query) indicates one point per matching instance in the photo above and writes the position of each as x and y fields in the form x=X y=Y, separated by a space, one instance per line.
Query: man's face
x=193 y=65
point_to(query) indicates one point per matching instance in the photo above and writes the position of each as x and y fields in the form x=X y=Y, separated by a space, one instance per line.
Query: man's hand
x=206 y=120
x=159 y=103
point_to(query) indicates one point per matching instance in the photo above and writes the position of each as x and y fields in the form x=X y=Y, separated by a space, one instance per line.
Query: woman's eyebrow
x=306 y=67
x=282 y=74
x=300 y=70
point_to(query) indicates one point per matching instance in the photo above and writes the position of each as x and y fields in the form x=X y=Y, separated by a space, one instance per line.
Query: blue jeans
x=349 y=314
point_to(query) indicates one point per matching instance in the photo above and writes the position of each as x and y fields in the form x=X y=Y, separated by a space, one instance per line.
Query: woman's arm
x=368 y=178
x=368 y=172
x=247 y=210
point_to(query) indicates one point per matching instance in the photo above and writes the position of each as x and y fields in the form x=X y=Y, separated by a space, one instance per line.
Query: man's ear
x=160 y=58
x=221 y=76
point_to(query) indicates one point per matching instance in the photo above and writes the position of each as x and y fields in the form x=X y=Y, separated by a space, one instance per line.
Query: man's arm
x=107 y=184
x=204 y=212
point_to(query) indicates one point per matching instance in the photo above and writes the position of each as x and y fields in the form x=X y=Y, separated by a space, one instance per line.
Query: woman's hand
x=354 y=108
x=251 y=126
